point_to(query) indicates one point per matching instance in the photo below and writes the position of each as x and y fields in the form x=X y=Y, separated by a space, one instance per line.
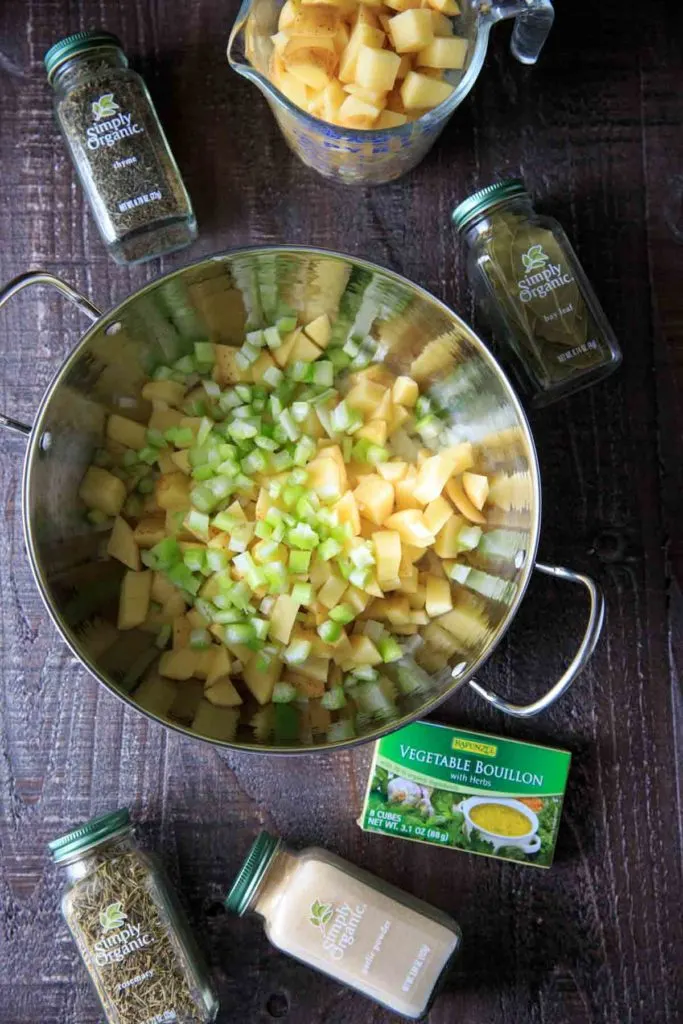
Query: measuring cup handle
x=40 y=277
x=533 y=21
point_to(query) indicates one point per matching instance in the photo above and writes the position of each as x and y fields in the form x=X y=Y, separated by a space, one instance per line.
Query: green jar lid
x=79 y=42
x=484 y=199
x=90 y=834
x=251 y=873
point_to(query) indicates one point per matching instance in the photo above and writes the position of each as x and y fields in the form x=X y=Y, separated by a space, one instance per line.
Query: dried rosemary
x=129 y=929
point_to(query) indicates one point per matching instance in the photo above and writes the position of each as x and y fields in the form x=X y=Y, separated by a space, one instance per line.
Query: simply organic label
x=337 y=925
x=541 y=276
x=468 y=791
x=110 y=124
x=120 y=936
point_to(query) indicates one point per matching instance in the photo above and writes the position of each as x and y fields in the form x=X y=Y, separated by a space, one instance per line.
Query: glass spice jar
x=129 y=928
x=347 y=923
x=119 y=149
x=533 y=291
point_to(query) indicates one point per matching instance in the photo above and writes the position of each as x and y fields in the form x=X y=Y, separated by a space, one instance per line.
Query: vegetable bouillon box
x=467 y=791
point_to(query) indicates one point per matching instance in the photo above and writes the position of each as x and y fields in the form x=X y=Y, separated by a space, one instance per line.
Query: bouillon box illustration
x=467 y=791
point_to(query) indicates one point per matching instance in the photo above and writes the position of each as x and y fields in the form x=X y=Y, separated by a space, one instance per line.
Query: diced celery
x=329 y=548
x=301 y=372
x=389 y=648
x=272 y=337
x=286 y=723
x=204 y=430
x=286 y=324
x=262 y=530
x=334 y=698
x=266 y=551
x=255 y=338
x=298 y=477
x=351 y=348
x=181 y=577
x=279 y=532
x=148 y=455
x=197 y=407
x=200 y=639
x=365 y=673
x=281 y=461
x=204 y=352
x=243 y=562
x=240 y=594
x=346 y=447
x=225 y=521
x=227 y=617
x=338 y=357
x=240 y=430
x=216 y=559
x=254 y=462
x=299 y=411
x=203 y=473
x=229 y=400
x=297 y=652
x=145 y=485
x=130 y=458
x=469 y=537
x=423 y=406
x=212 y=389
x=247 y=355
x=273 y=376
x=194 y=559
x=302 y=536
x=299 y=561
x=197 y=523
x=277 y=577
x=220 y=487
x=202 y=498
x=287 y=424
x=256 y=578
x=273 y=516
x=359 y=578
x=164 y=635
x=156 y=439
x=429 y=428
x=283 y=693
x=304 y=451
x=362 y=556
x=291 y=495
x=243 y=391
x=184 y=365
x=375 y=454
x=275 y=405
x=260 y=627
x=371 y=698
x=323 y=373
x=305 y=509
x=342 y=613
x=330 y=632
x=166 y=553
x=340 y=418
x=266 y=443
x=162 y=373
x=239 y=633
x=302 y=593
x=459 y=572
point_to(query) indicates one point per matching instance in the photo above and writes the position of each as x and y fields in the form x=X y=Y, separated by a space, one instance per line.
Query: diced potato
x=220 y=666
x=182 y=631
x=134 y=599
x=324 y=478
x=226 y=371
x=409 y=580
x=411 y=31
x=216 y=723
x=261 y=680
x=438 y=597
x=363 y=651
x=156 y=695
x=264 y=362
x=436 y=470
x=366 y=396
x=466 y=624
x=181 y=461
x=347 y=512
x=405 y=499
x=444 y=53
x=319 y=330
x=362 y=35
x=437 y=514
x=374 y=431
x=318 y=20
x=405 y=391
x=293 y=89
x=315 y=668
x=420 y=92
x=330 y=594
x=102 y=491
x=172 y=491
x=126 y=432
x=387 y=544
x=476 y=487
x=456 y=492
x=304 y=350
x=282 y=618
x=377 y=69
x=223 y=694
x=390 y=119
x=169 y=391
x=287 y=15
x=163 y=418
x=449 y=7
x=374 y=97
x=283 y=352
x=150 y=530
x=411 y=526
x=446 y=544
x=375 y=498
x=442 y=26
x=122 y=544
x=180 y=663
x=309 y=73
x=355 y=113
x=392 y=471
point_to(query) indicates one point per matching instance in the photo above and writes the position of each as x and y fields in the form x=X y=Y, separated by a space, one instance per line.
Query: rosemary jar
x=119 y=149
x=347 y=924
x=129 y=928
x=529 y=284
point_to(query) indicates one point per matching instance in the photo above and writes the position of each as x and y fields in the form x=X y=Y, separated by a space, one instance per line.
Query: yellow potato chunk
x=435 y=471
x=387 y=544
x=363 y=651
x=282 y=618
x=377 y=69
x=223 y=694
x=126 y=432
x=319 y=330
x=122 y=544
x=226 y=371
x=411 y=31
x=456 y=492
x=410 y=524
x=366 y=396
x=390 y=119
x=169 y=391
x=356 y=113
x=216 y=723
x=172 y=491
x=318 y=20
x=466 y=624
x=449 y=7
x=442 y=26
x=446 y=544
x=374 y=431
x=405 y=391
x=438 y=597
x=309 y=73
x=374 y=498
x=102 y=491
x=324 y=477
x=330 y=593
x=134 y=599
x=303 y=350
x=261 y=680
x=437 y=514
x=476 y=487
x=420 y=92
x=444 y=53
x=347 y=512
x=392 y=471
x=404 y=489
x=362 y=35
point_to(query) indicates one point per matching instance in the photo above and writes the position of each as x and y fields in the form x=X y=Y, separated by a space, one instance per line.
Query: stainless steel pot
x=211 y=299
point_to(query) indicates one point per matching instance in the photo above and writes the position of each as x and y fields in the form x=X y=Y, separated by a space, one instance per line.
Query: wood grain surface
x=596 y=130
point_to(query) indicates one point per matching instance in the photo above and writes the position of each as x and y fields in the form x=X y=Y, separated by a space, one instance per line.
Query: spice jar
x=531 y=287
x=119 y=149
x=348 y=924
x=129 y=928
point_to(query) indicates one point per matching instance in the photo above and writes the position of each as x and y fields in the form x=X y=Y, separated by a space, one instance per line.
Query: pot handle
x=596 y=618
x=40 y=277
x=533 y=21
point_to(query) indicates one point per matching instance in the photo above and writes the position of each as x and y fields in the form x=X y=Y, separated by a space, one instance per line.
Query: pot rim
x=111 y=316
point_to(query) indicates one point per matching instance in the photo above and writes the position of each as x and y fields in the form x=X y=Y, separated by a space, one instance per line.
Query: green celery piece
x=200 y=639
x=164 y=634
x=216 y=559
x=302 y=536
x=255 y=338
x=285 y=723
x=194 y=558
x=272 y=337
x=329 y=548
x=162 y=373
x=146 y=485
x=301 y=372
x=283 y=693
x=376 y=454
x=276 y=577
x=166 y=553
x=181 y=577
x=286 y=324
x=339 y=359
x=204 y=352
x=334 y=698
x=239 y=633
x=243 y=391
x=302 y=593
x=203 y=473
x=266 y=443
x=212 y=388
x=225 y=521
x=197 y=523
x=202 y=498
x=156 y=439
x=304 y=451
x=148 y=455
x=185 y=365
x=263 y=530
x=299 y=561
x=297 y=652
x=340 y=731
x=342 y=613
x=298 y=477
x=389 y=648
x=330 y=632
x=323 y=373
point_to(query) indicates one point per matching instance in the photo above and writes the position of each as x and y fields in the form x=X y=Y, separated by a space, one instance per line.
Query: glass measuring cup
x=372 y=157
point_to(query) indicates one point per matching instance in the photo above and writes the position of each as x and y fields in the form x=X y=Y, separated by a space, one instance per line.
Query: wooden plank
x=595 y=129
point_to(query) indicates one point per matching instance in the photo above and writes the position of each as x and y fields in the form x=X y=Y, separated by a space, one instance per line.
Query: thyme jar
x=533 y=291
x=119 y=149
x=129 y=928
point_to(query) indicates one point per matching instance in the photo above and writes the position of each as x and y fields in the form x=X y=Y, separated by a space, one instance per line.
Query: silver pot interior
x=211 y=300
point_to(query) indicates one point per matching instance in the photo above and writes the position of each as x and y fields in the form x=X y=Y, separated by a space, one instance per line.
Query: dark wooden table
x=596 y=130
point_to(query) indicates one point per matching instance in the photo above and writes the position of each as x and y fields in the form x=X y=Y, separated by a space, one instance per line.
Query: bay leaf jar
x=129 y=928
x=118 y=147
x=546 y=318
x=347 y=923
